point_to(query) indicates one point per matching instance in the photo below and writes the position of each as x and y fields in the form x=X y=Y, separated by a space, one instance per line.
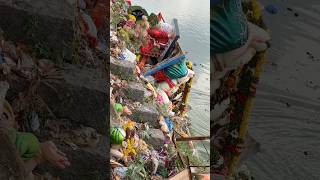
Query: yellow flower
x=129 y=148
x=128 y=124
x=132 y=17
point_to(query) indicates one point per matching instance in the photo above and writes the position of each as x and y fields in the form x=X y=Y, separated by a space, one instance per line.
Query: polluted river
x=194 y=25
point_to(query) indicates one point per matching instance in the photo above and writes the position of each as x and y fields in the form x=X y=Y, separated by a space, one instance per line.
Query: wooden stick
x=198 y=166
x=200 y=138
x=186 y=91
x=188 y=163
x=175 y=146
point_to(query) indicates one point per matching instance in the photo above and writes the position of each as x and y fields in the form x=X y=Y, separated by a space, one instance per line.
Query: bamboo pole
x=186 y=91
x=245 y=119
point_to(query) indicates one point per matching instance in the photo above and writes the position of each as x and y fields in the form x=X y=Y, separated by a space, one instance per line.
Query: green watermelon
x=117 y=135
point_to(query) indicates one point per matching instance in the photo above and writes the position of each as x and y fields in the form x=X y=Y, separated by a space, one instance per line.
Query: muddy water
x=286 y=114
x=194 y=23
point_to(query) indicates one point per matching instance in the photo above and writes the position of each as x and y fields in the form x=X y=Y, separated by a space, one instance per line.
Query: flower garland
x=229 y=138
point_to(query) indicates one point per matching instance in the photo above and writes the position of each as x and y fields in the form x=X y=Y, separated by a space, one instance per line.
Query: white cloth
x=166 y=27
x=233 y=59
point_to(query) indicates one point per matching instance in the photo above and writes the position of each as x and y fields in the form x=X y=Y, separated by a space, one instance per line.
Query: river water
x=194 y=24
x=285 y=118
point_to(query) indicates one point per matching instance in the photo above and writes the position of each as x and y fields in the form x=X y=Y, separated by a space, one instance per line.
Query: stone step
x=147 y=113
x=156 y=139
x=135 y=91
x=123 y=69
x=80 y=96
x=86 y=163
x=46 y=24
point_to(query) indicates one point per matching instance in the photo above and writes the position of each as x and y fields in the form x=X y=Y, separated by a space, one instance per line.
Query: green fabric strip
x=228 y=27
x=177 y=71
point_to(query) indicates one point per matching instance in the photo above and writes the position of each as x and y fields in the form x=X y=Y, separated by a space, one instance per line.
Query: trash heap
x=147 y=96
x=231 y=100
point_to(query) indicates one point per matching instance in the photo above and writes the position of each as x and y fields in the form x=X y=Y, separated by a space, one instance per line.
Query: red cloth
x=161 y=76
x=99 y=12
x=129 y=2
x=159 y=35
x=147 y=49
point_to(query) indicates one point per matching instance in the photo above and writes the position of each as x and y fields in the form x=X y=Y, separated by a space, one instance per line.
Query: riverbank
x=147 y=110
x=194 y=24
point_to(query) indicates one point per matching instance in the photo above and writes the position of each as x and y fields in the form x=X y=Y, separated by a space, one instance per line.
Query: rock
x=80 y=96
x=46 y=25
x=123 y=69
x=85 y=164
x=135 y=91
x=156 y=139
x=146 y=113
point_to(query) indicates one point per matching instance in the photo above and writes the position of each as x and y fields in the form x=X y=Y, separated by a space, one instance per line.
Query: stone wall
x=46 y=25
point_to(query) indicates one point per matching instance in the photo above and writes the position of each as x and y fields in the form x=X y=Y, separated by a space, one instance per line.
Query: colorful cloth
x=160 y=35
x=137 y=11
x=26 y=144
x=228 y=26
x=161 y=76
x=169 y=123
x=177 y=71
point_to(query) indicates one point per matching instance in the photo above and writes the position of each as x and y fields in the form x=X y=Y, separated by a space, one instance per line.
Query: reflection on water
x=194 y=23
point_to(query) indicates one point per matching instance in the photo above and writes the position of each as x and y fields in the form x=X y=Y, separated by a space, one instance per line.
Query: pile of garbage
x=234 y=87
x=143 y=40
